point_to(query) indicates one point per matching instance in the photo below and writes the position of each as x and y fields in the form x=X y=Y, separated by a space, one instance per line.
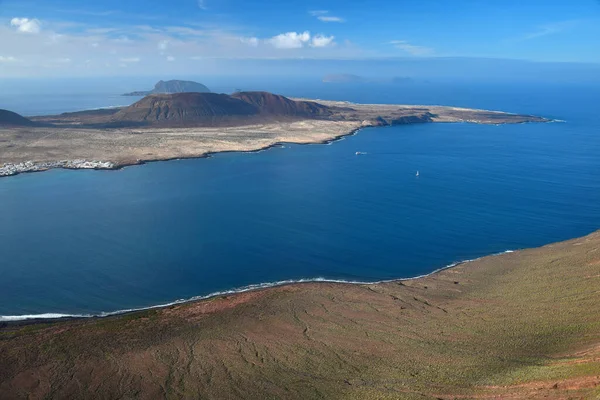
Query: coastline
x=115 y=166
x=13 y=169
x=518 y=325
x=251 y=148
x=70 y=142
x=58 y=317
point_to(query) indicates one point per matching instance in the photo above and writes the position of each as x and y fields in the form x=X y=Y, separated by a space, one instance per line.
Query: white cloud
x=134 y=45
x=26 y=25
x=322 y=41
x=327 y=18
x=123 y=39
x=170 y=58
x=411 y=48
x=101 y=31
x=323 y=16
x=551 y=29
x=251 y=41
x=186 y=31
x=290 y=40
x=202 y=4
x=54 y=38
x=56 y=63
x=163 y=44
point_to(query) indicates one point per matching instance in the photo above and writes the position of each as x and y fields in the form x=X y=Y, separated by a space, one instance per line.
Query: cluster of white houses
x=31 y=166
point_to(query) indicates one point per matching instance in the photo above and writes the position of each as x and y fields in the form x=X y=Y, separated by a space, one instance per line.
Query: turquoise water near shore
x=86 y=242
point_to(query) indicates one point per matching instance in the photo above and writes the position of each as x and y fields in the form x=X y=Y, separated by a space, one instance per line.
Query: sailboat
x=417 y=173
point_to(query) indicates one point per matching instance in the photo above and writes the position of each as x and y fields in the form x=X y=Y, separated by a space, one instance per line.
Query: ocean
x=91 y=242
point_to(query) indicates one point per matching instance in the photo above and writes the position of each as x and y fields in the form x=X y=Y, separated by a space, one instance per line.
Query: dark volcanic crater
x=216 y=109
x=184 y=107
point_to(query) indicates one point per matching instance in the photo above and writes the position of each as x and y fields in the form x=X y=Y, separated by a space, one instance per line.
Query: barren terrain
x=125 y=146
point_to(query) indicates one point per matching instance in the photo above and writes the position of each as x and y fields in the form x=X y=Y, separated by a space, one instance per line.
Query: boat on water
x=358 y=153
x=417 y=173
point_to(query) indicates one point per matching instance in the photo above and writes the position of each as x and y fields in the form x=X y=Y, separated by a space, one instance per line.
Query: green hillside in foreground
x=519 y=325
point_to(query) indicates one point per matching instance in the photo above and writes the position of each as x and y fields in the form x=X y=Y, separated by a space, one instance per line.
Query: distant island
x=194 y=124
x=402 y=79
x=172 y=86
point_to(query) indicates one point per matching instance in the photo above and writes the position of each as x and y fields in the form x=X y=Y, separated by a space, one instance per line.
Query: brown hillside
x=184 y=108
x=274 y=104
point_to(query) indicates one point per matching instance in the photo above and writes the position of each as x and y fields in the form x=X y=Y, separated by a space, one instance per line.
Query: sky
x=64 y=38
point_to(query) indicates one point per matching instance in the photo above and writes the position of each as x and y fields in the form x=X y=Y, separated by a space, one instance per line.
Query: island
x=402 y=80
x=188 y=125
x=172 y=86
x=512 y=326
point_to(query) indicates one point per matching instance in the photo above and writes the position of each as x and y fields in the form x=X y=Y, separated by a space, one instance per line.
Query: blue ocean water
x=86 y=242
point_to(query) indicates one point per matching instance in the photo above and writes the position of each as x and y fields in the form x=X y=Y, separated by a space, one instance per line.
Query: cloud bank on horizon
x=54 y=37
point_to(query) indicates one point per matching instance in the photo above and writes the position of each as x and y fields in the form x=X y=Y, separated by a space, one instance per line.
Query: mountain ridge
x=172 y=86
x=208 y=108
x=275 y=104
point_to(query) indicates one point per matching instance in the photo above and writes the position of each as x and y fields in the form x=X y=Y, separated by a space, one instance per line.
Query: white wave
x=5 y=318
x=248 y=288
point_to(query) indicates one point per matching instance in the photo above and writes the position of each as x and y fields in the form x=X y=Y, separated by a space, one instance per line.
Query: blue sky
x=110 y=37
